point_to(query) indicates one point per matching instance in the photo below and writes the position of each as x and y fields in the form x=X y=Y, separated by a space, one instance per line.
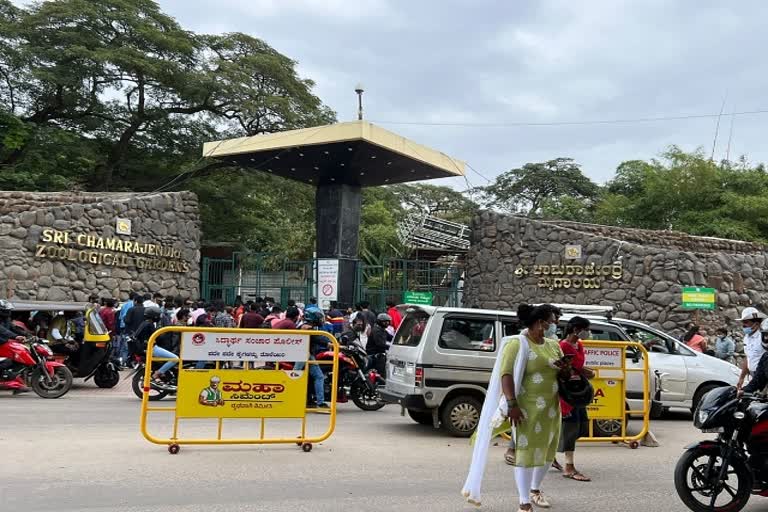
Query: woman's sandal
x=578 y=476
x=510 y=457
x=556 y=465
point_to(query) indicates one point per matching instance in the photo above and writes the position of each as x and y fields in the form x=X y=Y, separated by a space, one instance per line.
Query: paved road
x=84 y=452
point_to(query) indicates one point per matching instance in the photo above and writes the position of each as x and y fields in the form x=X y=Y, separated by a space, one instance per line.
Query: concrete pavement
x=84 y=452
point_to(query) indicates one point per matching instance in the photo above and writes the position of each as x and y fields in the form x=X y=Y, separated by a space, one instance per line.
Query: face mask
x=551 y=331
x=585 y=335
x=358 y=328
x=747 y=331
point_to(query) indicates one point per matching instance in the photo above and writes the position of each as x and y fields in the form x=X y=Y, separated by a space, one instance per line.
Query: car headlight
x=703 y=417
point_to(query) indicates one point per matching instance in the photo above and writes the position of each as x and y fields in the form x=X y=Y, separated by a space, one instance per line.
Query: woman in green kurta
x=533 y=400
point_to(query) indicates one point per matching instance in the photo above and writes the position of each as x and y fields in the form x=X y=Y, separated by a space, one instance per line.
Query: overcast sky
x=482 y=61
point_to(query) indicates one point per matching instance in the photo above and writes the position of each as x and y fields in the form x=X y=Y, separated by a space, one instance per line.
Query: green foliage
x=527 y=189
x=688 y=192
x=436 y=201
x=116 y=95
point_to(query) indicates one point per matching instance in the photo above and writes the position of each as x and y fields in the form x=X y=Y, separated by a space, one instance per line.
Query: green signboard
x=422 y=298
x=698 y=298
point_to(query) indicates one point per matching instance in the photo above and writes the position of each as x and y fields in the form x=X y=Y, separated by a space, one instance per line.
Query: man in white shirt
x=751 y=319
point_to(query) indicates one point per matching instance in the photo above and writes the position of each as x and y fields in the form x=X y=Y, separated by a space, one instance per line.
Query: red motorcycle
x=28 y=362
x=354 y=381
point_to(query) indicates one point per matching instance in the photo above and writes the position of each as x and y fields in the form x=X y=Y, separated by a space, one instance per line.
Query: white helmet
x=751 y=313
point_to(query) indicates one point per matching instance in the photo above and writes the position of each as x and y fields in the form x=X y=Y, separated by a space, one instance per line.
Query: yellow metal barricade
x=609 y=361
x=258 y=390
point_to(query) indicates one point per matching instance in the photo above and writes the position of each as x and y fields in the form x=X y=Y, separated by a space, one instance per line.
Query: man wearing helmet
x=8 y=331
x=759 y=380
x=313 y=320
x=751 y=319
x=152 y=316
x=378 y=343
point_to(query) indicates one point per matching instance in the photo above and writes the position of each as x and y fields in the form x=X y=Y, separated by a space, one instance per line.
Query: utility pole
x=359 y=90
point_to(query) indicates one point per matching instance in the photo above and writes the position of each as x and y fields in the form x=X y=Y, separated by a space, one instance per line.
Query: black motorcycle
x=720 y=475
x=355 y=380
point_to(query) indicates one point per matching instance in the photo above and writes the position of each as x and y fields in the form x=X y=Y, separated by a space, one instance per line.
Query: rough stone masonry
x=640 y=272
x=65 y=246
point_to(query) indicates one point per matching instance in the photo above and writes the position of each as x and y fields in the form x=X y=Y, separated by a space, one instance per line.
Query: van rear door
x=405 y=351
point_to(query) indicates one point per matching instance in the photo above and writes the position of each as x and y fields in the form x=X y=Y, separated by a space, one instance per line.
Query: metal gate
x=390 y=280
x=251 y=275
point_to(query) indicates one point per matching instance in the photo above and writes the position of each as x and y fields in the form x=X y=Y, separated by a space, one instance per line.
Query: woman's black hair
x=529 y=315
x=576 y=324
x=688 y=335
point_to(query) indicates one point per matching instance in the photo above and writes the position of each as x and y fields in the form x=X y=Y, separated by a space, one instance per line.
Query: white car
x=685 y=375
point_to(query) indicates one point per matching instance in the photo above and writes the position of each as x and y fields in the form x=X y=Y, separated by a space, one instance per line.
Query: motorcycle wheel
x=365 y=399
x=59 y=385
x=699 y=489
x=106 y=377
x=138 y=383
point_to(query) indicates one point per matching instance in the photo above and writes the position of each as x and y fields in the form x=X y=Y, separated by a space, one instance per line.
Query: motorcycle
x=353 y=381
x=29 y=363
x=720 y=475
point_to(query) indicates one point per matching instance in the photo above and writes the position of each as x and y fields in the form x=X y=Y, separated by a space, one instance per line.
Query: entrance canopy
x=356 y=153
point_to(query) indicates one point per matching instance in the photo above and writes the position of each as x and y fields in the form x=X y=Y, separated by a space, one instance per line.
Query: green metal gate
x=251 y=275
x=390 y=280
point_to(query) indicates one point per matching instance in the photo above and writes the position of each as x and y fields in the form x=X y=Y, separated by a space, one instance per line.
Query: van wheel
x=461 y=415
x=423 y=418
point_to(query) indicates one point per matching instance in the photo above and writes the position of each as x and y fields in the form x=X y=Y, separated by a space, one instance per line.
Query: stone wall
x=50 y=248
x=514 y=260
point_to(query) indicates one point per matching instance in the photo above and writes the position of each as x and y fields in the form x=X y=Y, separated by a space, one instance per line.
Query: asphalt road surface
x=84 y=452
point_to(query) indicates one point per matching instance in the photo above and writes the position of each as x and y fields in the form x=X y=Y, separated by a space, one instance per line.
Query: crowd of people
x=723 y=346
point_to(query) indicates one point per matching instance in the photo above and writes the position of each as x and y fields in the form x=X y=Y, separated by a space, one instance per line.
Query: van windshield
x=411 y=329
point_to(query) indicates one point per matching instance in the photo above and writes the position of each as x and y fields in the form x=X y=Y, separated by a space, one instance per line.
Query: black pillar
x=337 y=218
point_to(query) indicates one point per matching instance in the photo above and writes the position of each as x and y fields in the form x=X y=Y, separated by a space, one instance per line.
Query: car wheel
x=461 y=415
x=703 y=390
x=421 y=417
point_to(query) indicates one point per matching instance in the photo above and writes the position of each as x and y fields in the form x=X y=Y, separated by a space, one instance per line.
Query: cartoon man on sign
x=211 y=396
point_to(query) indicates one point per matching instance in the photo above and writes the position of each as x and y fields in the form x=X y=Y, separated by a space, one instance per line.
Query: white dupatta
x=493 y=415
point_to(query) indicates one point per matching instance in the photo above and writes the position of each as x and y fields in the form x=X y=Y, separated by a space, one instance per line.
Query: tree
x=125 y=76
x=437 y=201
x=690 y=193
x=525 y=190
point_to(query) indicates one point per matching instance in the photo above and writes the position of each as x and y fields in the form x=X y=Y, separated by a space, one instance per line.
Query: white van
x=441 y=360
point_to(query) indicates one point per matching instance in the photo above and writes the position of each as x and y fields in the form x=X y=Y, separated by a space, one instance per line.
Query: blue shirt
x=124 y=311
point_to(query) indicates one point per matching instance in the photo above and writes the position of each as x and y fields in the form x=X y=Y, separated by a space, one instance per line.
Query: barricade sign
x=270 y=382
x=609 y=411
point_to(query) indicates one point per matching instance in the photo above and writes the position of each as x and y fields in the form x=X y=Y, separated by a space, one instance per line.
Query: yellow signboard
x=241 y=394
x=609 y=399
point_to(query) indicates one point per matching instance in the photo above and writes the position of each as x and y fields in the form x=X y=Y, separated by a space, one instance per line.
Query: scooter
x=92 y=361
x=29 y=363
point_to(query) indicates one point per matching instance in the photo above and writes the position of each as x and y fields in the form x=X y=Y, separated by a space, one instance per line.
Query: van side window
x=510 y=328
x=605 y=334
x=467 y=334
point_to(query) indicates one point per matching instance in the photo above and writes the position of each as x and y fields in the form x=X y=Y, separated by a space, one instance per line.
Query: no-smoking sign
x=327 y=290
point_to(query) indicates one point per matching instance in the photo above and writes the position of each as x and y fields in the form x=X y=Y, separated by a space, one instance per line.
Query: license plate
x=398 y=372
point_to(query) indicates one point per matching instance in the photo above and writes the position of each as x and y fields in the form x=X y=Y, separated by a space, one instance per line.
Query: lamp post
x=359 y=90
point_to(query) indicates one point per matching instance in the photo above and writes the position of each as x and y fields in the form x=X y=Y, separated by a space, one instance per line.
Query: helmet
x=153 y=313
x=314 y=317
x=576 y=392
x=5 y=307
x=383 y=317
x=751 y=313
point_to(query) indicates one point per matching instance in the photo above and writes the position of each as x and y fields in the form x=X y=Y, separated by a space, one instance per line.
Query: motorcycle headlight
x=703 y=417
